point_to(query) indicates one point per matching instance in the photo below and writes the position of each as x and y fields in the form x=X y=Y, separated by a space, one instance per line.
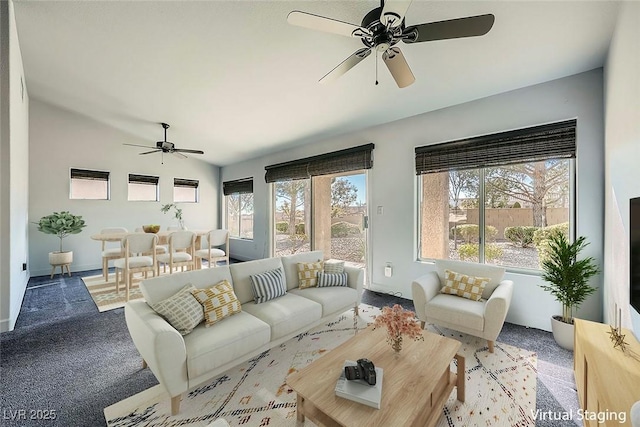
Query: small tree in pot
x=61 y=224
x=568 y=281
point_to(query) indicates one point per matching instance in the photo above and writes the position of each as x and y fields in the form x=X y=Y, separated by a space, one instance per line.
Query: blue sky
x=359 y=182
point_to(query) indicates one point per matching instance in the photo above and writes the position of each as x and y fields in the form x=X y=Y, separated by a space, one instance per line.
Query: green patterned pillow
x=182 y=310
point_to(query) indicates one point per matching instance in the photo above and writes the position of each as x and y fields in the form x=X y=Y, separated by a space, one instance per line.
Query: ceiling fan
x=167 y=147
x=383 y=27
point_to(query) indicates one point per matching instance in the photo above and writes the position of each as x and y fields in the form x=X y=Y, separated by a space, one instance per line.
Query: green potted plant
x=61 y=224
x=567 y=280
x=177 y=212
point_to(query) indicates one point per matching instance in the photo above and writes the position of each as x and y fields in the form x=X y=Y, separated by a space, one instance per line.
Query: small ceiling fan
x=383 y=27
x=167 y=147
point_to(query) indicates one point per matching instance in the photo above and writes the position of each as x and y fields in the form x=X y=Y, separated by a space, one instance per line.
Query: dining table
x=163 y=236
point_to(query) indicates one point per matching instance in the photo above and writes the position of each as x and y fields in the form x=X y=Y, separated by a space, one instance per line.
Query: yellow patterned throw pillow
x=463 y=286
x=218 y=302
x=308 y=273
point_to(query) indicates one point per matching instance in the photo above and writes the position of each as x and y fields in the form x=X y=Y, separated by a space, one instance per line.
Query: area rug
x=500 y=388
x=104 y=292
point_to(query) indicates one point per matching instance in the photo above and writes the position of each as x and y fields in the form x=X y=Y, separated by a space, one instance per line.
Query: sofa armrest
x=355 y=279
x=496 y=308
x=160 y=345
x=423 y=289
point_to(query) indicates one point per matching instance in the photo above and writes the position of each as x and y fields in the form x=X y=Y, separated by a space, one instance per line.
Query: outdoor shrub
x=282 y=227
x=469 y=232
x=521 y=236
x=469 y=252
x=516 y=205
x=344 y=229
x=300 y=228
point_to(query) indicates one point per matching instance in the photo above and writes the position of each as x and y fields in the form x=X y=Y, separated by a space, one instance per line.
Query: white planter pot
x=562 y=332
x=60 y=258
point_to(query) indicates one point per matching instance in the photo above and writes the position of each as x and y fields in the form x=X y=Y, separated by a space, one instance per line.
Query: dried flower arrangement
x=398 y=322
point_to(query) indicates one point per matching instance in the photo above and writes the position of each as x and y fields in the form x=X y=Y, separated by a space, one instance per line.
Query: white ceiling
x=234 y=79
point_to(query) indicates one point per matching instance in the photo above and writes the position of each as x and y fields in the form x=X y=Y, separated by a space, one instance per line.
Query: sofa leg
x=175 y=404
x=421 y=325
x=144 y=364
x=490 y=346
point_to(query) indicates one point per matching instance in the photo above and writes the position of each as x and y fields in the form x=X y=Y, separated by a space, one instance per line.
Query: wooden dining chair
x=160 y=249
x=213 y=253
x=181 y=249
x=135 y=244
x=110 y=253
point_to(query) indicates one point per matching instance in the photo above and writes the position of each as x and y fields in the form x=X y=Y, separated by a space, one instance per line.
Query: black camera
x=364 y=370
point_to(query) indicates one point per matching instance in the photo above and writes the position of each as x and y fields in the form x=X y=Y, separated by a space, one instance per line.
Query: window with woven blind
x=143 y=188
x=239 y=207
x=89 y=184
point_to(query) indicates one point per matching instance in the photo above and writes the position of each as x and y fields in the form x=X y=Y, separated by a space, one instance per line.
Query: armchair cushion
x=469 y=287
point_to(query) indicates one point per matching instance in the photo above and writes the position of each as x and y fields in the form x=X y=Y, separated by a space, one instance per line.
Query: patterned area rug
x=500 y=388
x=104 y=293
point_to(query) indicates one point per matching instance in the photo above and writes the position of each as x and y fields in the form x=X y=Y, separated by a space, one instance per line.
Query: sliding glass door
x=325 y=212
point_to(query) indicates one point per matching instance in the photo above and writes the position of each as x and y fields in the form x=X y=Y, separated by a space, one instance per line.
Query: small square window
x=89 y=184
x=143 y=188
x=185 y=190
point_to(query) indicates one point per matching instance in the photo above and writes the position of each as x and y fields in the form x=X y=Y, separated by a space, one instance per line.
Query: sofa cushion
x=308 y=274
x=457 y=311
x=241 y=273
x=333 y=266
x=491 y=272
x=332 y=279
x=158 y=288
x=268 y=285
x=333 y=299
x=181 y=310
x=290 y=264
x=231 y=338
x=286 y=314
x=218 y=302
x=464 y=286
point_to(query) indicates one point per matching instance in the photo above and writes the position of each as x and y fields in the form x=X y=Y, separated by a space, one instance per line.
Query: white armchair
x=483 y=318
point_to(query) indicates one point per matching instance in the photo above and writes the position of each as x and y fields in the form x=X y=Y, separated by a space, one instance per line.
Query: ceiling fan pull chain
x=376 y=68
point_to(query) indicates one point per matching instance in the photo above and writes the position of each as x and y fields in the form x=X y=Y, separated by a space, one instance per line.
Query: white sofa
x=482 y=318
x=183 y=362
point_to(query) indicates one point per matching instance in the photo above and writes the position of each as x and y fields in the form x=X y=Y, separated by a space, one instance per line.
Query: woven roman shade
x=350 y=159
x=89 y=174
x=238 y=186
x=550 y=141
x=181 y=182
x=143 y=179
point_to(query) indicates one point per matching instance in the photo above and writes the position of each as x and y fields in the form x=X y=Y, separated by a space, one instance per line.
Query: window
x=316 y=204
x=501 y=210
x=239 y=205
x=185 y=190
x=143 y=188
x=89 y=184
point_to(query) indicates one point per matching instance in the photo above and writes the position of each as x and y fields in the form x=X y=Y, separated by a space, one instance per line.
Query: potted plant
x=567 y=279
x=176 y=211
x=61 y=224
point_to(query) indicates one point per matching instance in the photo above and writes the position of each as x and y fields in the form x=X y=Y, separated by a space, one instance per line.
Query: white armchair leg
x=490 y=346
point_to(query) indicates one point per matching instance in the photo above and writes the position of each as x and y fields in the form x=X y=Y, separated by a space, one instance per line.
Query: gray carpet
x=65 y=359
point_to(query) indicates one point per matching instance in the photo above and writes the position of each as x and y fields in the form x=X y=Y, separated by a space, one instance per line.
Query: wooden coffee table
x=416 y=384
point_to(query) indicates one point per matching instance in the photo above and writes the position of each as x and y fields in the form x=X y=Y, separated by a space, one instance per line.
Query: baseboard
x=6 y=325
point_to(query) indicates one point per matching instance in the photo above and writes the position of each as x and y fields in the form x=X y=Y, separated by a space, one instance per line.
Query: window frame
x=89 y=175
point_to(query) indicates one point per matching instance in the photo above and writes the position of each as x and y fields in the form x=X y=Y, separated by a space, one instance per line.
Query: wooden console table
x=608 y=380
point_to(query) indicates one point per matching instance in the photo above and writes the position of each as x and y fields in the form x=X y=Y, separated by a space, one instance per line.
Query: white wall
x=622 y=171
x=60 y=140
x=14 y=124
x=393 y=234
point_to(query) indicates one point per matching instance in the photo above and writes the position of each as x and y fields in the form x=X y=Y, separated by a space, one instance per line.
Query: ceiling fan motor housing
x=382 y=38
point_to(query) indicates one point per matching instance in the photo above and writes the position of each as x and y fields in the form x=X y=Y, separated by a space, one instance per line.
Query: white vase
x=61 y=258
x=562 y=332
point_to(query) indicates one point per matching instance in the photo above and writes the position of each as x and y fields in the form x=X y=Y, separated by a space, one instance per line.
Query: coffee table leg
x=299 y=410
x=461 y=381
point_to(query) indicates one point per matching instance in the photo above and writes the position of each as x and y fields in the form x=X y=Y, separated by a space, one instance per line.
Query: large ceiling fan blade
x=185 y=150
x=346 y=65
x=471 y=26
x=393 y=12
x=328 y=25
x=151 y=152
x=137 y=145
x=398 y=67
x=180 y=155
